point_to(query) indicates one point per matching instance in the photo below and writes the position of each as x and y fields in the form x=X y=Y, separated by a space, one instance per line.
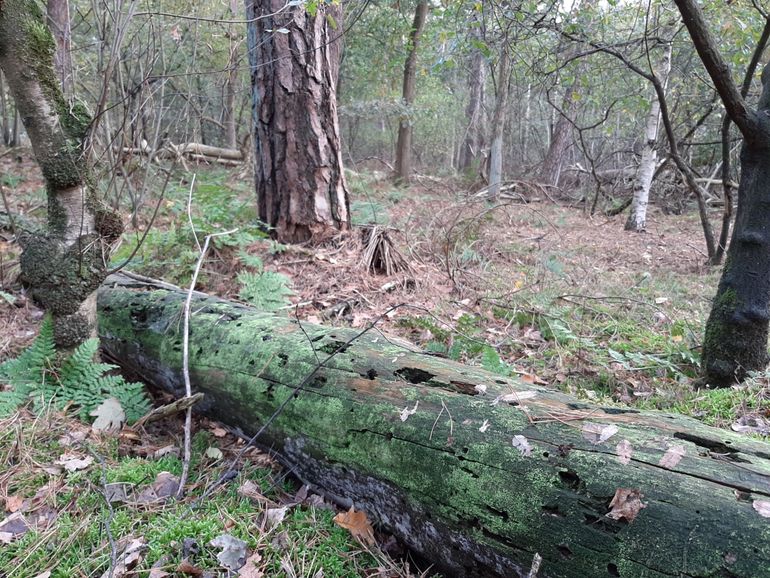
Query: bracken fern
x=76 y=381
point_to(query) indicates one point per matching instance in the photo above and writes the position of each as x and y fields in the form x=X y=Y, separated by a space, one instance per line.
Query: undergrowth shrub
x=38 y=375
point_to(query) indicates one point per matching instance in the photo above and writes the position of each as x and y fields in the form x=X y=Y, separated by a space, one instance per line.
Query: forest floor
x=528 y=287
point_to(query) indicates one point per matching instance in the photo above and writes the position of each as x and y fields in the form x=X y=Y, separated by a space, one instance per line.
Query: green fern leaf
x=268 y=291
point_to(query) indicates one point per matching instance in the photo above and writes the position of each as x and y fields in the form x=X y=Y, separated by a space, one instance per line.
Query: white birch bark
x=637 y=220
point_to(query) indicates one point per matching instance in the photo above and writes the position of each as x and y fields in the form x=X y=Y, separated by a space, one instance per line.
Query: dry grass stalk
x=380 y=255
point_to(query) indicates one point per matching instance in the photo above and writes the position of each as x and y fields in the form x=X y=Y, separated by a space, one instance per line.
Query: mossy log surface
x=414 y=441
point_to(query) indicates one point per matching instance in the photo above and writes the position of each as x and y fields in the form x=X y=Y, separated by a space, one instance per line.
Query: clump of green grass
x=76 y=543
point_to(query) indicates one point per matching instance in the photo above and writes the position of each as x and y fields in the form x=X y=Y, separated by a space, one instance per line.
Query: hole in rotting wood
x=546 y=454
x=613 y=569
x=267 y=337
x=552 y=510
x=464 y=387
x=499 y=513
x=414 y=374
x=564 y=550
x=333 y=347
x=570 y=479
x=725 y=452
x=283 y=359
x=370 y=374
x=318 y=381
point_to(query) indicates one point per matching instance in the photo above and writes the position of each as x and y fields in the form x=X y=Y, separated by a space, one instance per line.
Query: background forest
x=545 y=190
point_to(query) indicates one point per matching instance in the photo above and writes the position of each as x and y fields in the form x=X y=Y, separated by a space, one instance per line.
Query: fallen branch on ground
x=475 y=471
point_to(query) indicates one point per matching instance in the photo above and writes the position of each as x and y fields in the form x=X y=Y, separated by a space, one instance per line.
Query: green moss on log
x=450 y=490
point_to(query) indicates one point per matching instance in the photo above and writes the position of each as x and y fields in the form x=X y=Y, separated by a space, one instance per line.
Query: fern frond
x=268 y=291
x=78 y=381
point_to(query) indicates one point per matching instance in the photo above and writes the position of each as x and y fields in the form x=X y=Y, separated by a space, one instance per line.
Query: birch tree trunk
x=498 y=123
x=637 y=220
x=404 y=143
x=64 y=267
x=301 y=189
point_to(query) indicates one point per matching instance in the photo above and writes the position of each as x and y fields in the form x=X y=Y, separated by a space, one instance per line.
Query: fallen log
x=475 y=471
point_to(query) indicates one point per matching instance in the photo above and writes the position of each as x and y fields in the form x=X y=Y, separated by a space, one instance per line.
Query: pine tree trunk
x=64 y=267
x=301 y=189
x=637 y=220
x=404 y=143
x=498 y=123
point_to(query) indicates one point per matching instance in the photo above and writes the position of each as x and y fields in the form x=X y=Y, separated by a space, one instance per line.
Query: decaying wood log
x=195 y=151
x=475 y=471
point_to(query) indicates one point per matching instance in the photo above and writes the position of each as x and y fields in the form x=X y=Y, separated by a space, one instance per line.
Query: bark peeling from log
x=465 y=498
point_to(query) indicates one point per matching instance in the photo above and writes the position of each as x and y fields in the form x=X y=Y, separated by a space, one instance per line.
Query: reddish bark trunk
x=294 y=57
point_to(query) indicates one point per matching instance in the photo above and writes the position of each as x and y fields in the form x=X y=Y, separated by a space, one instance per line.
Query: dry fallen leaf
x=481 y=388
x=117 y=492
x=484 y=426
x=762 y=508
x=597 y=433
x=274 y=516
x=46 y=574
x=109 y=415
x=357 y=524
x=133 y=550
x=13 y=526
x=189 y=569
x=625 y=450
x=251 y=569
x=520 y=443
x=165 y=485
x=627 y=503
x=672 y=456
x=214 y=453
x=165 y=450
x=233 y=554
x=219 y=432
x=73 y=462
x=252 y=491
x=406 y=412
x=532 y=378
x=14 y=503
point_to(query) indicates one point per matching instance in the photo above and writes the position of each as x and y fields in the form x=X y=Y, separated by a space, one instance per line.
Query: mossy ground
x=540 y=291
x=75 y=542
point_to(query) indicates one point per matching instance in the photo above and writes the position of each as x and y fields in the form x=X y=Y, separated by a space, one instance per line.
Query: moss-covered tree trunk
x=475 y=471
x=64 y=267
x=737 y=329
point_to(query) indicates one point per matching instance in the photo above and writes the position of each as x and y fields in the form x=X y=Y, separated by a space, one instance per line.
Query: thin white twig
x=189 y=212
x=186 y=360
